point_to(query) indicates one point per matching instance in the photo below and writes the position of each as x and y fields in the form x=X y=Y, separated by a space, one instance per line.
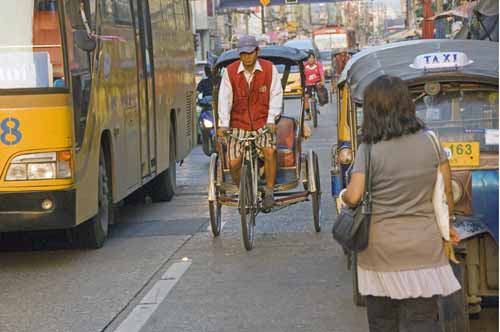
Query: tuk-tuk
x=455 y=88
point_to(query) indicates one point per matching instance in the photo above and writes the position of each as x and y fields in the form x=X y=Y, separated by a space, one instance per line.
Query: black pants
x=408 y=315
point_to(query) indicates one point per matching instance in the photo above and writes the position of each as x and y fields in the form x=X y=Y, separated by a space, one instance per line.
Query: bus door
x=145 y=86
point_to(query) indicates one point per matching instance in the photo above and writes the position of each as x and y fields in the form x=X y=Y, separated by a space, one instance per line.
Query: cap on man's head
x=247 y=44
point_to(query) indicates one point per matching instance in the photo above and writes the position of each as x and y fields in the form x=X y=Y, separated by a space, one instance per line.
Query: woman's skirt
x=408 y=284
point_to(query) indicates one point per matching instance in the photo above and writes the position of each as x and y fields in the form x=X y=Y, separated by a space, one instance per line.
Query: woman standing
x=404 y=269
x=314 y=74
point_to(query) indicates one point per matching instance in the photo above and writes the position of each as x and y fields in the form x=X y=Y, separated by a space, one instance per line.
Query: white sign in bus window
x=25 y=70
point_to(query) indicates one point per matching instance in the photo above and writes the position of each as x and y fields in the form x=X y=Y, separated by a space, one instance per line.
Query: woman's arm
x=446 y=172
x=354 y=192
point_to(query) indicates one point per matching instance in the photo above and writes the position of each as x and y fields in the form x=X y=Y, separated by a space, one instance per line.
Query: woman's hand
x=340 y=202
x=454 y=236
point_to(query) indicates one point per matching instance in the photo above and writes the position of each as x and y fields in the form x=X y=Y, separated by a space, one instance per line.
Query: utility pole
x=410 y=14
x=262 y=19
x=247 y=17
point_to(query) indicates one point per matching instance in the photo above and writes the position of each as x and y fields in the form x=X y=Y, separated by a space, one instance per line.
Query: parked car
x=293 y=86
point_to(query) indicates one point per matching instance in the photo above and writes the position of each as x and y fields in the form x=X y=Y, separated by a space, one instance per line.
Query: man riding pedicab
x=250 y=100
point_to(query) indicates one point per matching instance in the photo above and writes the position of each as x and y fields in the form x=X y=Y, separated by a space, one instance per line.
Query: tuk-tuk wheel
x=454 y=309
x=357 y=298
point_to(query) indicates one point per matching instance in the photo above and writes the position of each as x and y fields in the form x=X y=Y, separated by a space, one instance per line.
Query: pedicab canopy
x=276 y=54
x=421 y=61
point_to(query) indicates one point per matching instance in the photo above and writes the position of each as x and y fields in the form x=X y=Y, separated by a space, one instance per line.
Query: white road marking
x=152 y=300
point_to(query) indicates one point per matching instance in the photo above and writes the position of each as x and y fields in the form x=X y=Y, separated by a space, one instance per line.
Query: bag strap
x=435 y=145
x=367 y=194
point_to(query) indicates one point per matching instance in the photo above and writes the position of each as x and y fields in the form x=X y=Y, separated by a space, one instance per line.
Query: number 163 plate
x=462 y=154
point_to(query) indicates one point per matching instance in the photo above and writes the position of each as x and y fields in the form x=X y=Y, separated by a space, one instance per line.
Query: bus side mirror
x=83 y=41
x=74 y=14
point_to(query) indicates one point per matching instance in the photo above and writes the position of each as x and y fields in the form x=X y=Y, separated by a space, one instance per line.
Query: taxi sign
x=441 y=60
x=462 y=154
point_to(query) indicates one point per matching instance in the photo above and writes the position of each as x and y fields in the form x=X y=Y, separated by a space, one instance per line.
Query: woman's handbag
x=440 y=202
x=352 y=226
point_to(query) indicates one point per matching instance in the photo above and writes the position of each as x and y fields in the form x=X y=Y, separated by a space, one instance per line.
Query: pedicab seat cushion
x=285 y=141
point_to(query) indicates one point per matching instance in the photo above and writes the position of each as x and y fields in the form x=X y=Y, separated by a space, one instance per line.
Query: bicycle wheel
x=247 y=206
x=215 y=210
x=316 y=196
x=214 y=206
x=314 y=112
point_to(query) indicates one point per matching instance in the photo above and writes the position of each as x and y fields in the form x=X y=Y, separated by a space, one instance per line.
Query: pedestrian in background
x=314 y=73
x=404 y=270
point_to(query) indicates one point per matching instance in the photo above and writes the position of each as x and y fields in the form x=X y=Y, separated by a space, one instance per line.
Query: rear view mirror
x=74 y=14
x=83 y=41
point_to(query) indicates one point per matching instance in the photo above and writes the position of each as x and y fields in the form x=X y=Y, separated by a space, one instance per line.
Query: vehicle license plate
x=462 y=154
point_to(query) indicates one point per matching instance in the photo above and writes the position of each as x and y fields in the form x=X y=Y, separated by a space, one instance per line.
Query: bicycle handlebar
x=228 y=133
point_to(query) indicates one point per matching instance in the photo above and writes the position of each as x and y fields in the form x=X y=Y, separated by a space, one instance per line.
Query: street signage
x=265 y=2
x=441 y=60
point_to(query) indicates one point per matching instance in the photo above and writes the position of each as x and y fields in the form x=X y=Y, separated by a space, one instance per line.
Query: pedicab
x=295 y=168
x=454 y=84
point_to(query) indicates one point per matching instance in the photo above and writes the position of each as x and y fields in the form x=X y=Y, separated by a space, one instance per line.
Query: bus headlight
x=41 y=171
x=207 y=123
x=457 y=189
x=345 y=155
x=40 y=166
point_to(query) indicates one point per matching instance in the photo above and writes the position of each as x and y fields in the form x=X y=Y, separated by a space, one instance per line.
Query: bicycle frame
x=249 y=153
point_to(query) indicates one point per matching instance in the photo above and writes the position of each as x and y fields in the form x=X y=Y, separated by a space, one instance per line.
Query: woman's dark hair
x=388 y=111
x=310 y=53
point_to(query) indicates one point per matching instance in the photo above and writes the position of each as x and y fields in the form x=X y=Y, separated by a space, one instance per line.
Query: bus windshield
x=30 y=45
x=463 y=116
x=331 y=41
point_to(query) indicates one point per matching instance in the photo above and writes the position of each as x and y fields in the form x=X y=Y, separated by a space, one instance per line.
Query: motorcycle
x=206 y=125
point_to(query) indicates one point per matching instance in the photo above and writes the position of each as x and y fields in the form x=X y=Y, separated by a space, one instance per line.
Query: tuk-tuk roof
x=274 y=53
x=395 y=59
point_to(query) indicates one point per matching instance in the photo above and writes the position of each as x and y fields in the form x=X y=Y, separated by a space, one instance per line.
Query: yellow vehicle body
x=139 y=117
x=50 y=130
x=293 y=86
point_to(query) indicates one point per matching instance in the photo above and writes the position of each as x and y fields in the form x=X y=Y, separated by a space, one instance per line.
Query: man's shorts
x=309 y=89
x=234 y=146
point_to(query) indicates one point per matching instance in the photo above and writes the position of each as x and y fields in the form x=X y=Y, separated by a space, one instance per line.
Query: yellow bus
x=96 y=102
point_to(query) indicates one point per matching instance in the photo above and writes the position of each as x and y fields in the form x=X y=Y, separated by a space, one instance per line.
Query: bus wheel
x=163 y=186
x=92 y=233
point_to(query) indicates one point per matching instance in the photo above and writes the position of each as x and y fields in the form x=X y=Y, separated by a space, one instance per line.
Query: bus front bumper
x=23 y=211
